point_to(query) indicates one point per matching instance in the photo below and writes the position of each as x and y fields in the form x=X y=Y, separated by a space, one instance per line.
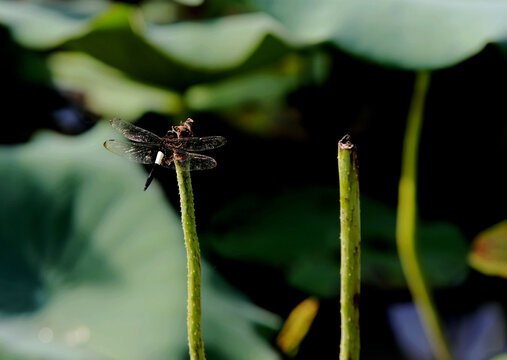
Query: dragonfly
x=177 y=145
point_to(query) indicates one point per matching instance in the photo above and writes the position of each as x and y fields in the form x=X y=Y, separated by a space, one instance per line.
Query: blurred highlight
x=488 y=253
x=297 y=326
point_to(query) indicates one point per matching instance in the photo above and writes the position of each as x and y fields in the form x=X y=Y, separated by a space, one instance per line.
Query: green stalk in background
x=406 y=226
x=350 y=249
x=195 y=343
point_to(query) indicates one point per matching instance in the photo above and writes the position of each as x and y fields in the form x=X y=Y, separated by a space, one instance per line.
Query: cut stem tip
x=345 y=143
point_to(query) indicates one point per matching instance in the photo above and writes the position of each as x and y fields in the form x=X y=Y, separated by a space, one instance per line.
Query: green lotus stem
x=406 y=225
x=195 y=343
x=350 y=235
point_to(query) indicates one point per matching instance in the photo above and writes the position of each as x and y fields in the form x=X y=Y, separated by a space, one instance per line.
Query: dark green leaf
x=298 y=233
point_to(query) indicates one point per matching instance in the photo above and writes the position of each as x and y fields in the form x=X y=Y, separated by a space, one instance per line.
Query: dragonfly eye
x=171 y=134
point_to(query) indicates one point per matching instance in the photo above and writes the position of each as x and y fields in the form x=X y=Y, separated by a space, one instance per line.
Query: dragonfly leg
x=150 y=177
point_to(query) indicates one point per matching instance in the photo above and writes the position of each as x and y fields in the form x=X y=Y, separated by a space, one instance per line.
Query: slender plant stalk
x=350 y=249
x=406 y=227
x=195 y=343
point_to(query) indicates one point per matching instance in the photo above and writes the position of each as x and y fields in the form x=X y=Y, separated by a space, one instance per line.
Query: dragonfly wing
x=138 y=152
x=197 y=143
x=133 y=132
x=189 y=161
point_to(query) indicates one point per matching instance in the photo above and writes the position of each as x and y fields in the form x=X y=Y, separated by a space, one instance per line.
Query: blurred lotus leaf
x=298 y=233
x=45 y=26
x=92 y=267
x=190 y=2
x=174 y=55
x=265 y=85
x=489 y=251
x=108 y=91
x=417 y=34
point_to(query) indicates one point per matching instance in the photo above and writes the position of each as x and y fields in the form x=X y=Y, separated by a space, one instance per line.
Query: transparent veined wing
x=189 y=161
x=196 y=143
x=133 y=132
x=144 y=153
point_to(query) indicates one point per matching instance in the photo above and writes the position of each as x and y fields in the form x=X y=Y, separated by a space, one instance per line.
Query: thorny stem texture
x=406 y=226
x=195 y=343
x=350 y=249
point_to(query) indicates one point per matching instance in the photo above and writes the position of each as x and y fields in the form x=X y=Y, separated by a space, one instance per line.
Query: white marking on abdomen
x=160 y=156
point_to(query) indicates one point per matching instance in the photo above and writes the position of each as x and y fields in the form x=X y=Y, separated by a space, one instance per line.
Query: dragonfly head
x=171 y=134
x=184 y=129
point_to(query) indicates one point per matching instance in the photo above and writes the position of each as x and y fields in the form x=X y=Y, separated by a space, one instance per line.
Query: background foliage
x=85 y=253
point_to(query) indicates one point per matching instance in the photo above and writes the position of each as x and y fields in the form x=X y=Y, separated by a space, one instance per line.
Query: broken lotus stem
x=350 y=249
